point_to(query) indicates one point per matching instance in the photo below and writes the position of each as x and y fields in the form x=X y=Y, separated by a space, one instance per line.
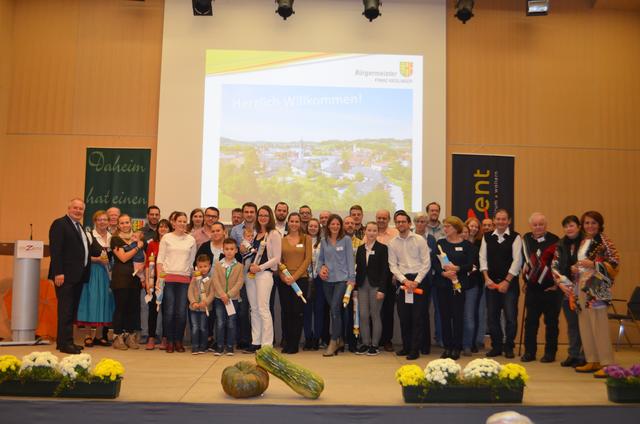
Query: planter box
x=461 y=394
x=109 y=390
x=624 y=394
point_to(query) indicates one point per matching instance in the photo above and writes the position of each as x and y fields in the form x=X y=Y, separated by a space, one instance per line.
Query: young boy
x=200 y=296
x=227 y=280
x=138 y=259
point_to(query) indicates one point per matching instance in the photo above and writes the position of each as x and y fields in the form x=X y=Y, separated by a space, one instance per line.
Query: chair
x=632 y=316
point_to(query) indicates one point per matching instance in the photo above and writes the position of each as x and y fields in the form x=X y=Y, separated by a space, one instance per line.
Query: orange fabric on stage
x=47 y=310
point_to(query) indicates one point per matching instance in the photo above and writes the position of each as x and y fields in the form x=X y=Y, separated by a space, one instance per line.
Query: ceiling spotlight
x=285 y=8
x=537 y=7
x=464 y=10
x=202 y=7
x=371 y=9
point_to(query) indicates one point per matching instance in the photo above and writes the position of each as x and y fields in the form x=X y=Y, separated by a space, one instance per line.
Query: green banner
x=117 y=177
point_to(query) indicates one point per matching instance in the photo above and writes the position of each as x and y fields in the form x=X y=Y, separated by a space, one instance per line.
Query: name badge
x=540 y=240
x=339 y=248
x=372 y=252
x=299 y=245
x=408 y=297
x=459 y=249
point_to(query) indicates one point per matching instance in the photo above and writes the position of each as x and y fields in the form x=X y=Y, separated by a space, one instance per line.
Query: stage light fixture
x=202 y=7
x=285 y=8
x=464 y=10
x=371 y=9
x=537 y=7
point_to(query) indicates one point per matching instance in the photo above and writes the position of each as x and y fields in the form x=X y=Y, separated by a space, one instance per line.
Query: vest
x=499 y=255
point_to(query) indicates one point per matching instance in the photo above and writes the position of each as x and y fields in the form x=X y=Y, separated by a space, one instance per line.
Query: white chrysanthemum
x=481 y=368
x=39 y=359
x=440 y=370
x=69 y=366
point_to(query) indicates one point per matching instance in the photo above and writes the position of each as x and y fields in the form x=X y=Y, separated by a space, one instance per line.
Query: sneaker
x=362 y=350
x=218 y=351
x=373 y=351
x=195 y=352
x=229 y=351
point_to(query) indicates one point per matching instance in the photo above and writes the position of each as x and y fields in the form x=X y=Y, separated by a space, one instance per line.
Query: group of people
x=339 y=281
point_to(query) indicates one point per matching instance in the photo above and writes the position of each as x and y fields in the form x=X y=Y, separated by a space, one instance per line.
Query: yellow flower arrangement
x=108 y=369
x=9 y=365
x=513 y=371
x=410 y=375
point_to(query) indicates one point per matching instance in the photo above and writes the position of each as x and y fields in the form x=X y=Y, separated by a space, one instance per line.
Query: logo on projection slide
x=406 y=69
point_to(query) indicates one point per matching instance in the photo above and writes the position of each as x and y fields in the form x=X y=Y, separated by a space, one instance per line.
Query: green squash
x=244 y=379
x=301 y=380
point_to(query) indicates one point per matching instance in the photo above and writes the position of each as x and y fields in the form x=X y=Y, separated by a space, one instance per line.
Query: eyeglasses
x=211 y=216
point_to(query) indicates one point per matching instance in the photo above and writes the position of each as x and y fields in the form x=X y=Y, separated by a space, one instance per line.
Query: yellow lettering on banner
x=482 y=203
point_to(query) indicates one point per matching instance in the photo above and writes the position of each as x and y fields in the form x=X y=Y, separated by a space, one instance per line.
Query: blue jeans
x=174 y=308
x=224 y=321
x=575 y=342
x=333 y=292
x=199 y=331
x=314 y=313
x=475 y=318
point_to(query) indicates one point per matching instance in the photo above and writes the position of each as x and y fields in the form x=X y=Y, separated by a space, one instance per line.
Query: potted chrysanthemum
x=481 y=381
x=42 y=374
x=623 y=385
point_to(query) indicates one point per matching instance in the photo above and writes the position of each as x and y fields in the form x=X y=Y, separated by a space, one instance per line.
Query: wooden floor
x=156 y=376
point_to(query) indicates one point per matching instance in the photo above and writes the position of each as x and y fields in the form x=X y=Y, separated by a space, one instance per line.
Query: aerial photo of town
x=373 y=173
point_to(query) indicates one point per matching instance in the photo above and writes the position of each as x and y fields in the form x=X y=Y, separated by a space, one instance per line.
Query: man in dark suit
x=69 y=269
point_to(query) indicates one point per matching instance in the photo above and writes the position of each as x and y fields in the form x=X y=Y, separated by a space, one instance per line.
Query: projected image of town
x=329 y=147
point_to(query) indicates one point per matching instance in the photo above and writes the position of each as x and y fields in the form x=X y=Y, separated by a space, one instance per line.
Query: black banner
x=117 y=177
x=482 y=184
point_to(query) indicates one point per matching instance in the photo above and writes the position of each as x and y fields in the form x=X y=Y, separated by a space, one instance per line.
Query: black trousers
x=292 y=313
x=540 y=303
x=451 y=317
x=412 y=320
x=507 y=302
x=68 y=295
x=243 y=328
x=387 y=313
x=126 y=316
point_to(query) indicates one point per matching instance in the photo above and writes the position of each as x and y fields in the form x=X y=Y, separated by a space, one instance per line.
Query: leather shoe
x=169 y=348
x=78 y=346
x=179 y=347
x=569 y=362
x=528 y=357
x=455 y=354
x=493 y=353
x=70 y=349
x=446 y=354
x=509 y=354
x=413 y=356
x=547 y=359
x=388 y=347
x=402 y=353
